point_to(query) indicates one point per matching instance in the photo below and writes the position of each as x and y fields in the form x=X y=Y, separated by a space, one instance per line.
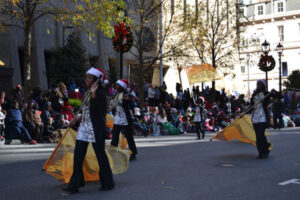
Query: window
x=299 y=28
x=243 y=69
x=260 y=10
x=281 y=33
x=241 y=12
x=280 y=7
x=284 y=70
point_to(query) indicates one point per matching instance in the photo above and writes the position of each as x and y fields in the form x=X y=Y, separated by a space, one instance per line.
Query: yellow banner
x=60 y=163
x=240 y=129
x=201 y=73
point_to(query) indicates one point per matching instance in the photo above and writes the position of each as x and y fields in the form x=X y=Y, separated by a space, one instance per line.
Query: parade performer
x=123 y=117
x=260 y=118
x=198 y=118
x=91 y=129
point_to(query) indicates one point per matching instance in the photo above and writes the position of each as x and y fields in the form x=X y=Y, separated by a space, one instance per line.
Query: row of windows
x=284 y=69
x=261 y=9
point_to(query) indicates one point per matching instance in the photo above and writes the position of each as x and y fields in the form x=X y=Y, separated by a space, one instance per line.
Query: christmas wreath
x=123 y=39
x=266 y=63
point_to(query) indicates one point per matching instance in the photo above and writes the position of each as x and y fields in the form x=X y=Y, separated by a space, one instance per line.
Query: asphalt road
x=169 y=168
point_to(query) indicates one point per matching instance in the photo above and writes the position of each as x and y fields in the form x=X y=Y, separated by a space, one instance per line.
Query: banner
x=240 y=129
x=201 y=73
x=60 y=163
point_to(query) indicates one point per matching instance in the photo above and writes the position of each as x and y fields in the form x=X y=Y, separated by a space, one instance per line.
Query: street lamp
x=279 y=49
x=202 y=62
x=265 y=47
x=248 y=63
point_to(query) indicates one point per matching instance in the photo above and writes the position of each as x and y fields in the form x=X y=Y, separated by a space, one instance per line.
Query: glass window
x=281 y=33
x=260 y=10
x=243 y=70
x=280 y=7
x=284 y=70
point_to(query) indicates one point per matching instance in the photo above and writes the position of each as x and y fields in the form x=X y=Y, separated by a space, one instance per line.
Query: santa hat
x=202 y=98
x=263 y=82
x=98 y=72
x=123 y=83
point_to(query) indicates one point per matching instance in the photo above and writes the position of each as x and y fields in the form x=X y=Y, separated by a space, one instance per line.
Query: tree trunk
x=27 y=62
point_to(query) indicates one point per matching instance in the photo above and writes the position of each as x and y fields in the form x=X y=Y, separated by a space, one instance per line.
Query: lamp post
x=265 y=47
x=202 y=62
x=248 y=63
x=279 y=49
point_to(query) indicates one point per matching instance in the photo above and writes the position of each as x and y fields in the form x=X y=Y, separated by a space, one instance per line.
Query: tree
x=293 y=80
x=150 y=39
x=70 y=59
x=24 y=13
x=214 y=32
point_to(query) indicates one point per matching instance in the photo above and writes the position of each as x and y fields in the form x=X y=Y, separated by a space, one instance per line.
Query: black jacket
x=98 y=111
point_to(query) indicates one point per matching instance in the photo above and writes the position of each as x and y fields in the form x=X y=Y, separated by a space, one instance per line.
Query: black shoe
x=260 y=156
x=107 y=187
x=197 y=138
x=71 y=190
x=132 y=157
x=266 y=155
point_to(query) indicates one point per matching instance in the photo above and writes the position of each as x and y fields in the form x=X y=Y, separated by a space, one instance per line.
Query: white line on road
x=291 y=181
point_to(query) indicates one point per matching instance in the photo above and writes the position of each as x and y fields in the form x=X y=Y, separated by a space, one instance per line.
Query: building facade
x=274 y=21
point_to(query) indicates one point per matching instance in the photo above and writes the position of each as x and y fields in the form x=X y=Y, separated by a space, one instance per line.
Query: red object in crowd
x=67 y=111
x=208 y=105
x=76 y=95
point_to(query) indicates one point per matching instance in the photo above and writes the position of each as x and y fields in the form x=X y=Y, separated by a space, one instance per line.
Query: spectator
x=14 y=125
x=151 y=95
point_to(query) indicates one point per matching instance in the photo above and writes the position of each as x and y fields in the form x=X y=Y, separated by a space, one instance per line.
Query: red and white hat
x=98 y=72
x=123 y=83
x=202 y=98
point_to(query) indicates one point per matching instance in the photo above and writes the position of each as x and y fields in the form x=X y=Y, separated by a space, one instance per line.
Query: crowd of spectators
x=42 y=117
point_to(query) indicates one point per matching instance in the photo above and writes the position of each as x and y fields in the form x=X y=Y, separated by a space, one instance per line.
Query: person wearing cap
x=92 y=129
x=123 y=117
x=260 y=118
x=198 y=118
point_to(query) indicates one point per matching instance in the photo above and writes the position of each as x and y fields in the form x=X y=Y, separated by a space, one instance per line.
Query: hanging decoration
x=266 y=63
x=123 y=40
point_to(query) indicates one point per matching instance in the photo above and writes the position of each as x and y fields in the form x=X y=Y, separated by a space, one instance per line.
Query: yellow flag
x=60 y=163
x=240 y=129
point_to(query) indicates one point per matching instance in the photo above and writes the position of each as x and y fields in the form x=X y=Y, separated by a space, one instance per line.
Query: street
x=169 y=167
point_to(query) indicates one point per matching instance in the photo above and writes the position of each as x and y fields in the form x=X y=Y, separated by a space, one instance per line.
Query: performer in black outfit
x=260 y=118
x=92 y=129
x=123 y=117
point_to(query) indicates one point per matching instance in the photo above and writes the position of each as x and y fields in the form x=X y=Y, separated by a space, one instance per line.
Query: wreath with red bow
x=123 y=39
x=266 y=63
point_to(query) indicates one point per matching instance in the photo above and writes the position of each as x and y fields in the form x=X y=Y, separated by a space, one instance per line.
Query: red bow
x=120 y=30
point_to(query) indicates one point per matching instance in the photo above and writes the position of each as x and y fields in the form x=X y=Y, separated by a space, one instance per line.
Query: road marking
x=291 y=181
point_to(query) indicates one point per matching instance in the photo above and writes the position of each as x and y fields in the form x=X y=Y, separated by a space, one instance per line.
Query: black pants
x=105 y=172
x=279 y=117
x=199 y=129
x=127 y=131
x=261 y=140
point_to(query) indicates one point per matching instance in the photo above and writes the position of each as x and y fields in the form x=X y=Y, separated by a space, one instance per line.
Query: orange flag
x=60 y=163
x=240 y=129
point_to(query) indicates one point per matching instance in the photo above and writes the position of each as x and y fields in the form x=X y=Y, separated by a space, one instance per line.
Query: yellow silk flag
x=240 y=129
x=60 y=163
x=201 y=73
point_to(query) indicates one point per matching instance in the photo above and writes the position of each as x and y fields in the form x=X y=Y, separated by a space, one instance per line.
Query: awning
x=202 y=73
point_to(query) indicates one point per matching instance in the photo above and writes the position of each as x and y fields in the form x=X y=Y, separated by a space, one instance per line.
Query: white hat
x=98 y=72
x=123 y=83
